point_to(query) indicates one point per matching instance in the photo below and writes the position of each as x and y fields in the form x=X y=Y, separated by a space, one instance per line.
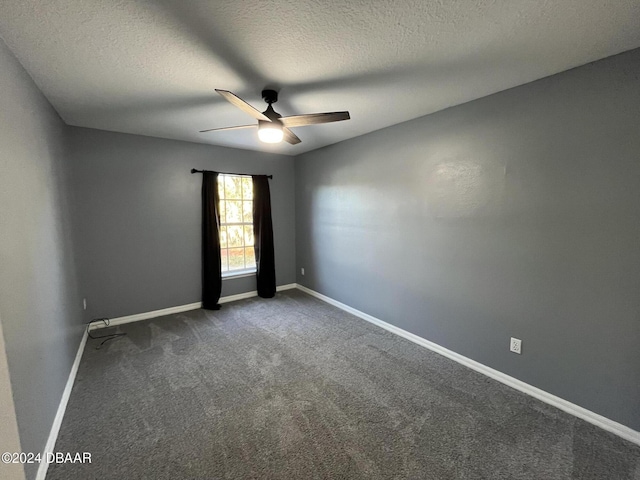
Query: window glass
x=236 y=224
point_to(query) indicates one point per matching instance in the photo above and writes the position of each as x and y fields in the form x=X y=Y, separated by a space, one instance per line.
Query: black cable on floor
x=108 y=337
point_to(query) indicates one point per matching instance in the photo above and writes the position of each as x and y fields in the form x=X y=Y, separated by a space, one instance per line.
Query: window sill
x=238 y=274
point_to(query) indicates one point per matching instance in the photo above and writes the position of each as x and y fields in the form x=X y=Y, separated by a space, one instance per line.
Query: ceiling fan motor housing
x=271 y=113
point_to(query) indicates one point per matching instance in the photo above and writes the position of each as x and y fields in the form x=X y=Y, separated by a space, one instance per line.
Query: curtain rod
x=193 y=170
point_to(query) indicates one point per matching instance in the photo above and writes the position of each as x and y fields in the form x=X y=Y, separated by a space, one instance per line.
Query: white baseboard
x=571 y=408
x=62 y=407
x=181 y=308
x=253 y=293
x=146 y=315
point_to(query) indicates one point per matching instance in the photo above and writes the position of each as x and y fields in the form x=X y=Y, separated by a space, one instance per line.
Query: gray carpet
x=293 y=388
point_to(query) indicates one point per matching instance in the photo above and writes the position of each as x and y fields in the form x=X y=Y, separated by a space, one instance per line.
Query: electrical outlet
x=516 y=345
x=84 y=303
x=302 y=271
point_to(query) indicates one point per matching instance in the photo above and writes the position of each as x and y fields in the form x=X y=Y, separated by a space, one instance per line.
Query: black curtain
x=211 y=272
x=263 y=236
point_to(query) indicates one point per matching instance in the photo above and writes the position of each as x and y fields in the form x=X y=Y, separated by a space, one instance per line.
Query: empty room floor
x=293 y=388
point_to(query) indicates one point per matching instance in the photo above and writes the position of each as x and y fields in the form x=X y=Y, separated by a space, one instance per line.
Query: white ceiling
x=150 y=67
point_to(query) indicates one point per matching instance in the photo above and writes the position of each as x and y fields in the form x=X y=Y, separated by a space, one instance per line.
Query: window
x=236 y=225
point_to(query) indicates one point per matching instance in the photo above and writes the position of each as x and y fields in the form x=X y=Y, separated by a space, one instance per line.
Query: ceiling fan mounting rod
x=270 y=96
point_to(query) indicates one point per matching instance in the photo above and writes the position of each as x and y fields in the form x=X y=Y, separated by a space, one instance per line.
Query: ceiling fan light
x=270 y=132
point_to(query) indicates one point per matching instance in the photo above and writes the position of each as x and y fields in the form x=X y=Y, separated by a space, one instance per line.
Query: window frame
x=237 y=273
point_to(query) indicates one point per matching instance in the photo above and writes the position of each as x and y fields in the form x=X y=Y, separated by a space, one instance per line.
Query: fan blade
x=290 y=137
x=228 y=128
x=242 y=105
x=314 y=119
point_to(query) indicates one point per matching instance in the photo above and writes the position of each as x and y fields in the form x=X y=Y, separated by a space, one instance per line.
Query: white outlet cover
x=515 y=345
x=302 y=271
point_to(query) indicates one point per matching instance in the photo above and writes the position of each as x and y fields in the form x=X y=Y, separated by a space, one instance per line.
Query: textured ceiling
x=150 y=67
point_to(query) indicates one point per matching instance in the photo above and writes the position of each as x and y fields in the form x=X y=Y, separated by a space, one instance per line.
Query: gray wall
x=39 y=305
x=513 y=215
x=9 y=438
x=137 y=218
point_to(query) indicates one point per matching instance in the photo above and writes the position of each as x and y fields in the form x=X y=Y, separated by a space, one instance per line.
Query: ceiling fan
x=273 y=127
